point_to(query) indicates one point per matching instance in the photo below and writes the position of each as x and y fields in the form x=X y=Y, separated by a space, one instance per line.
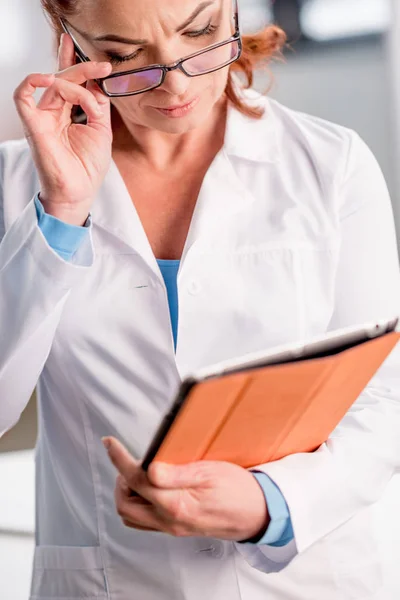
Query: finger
x=66 y=53
x=136 y=478
x=129 y=524
x=149 y=519
x=66 y=59
x=121 y=459
x=165 y=506
x=82 y=72
x=192 y=475
x=123 y=493
x=23 y=94
x=63 y=92
x=103 y=101
x=122 y=486
x=134 y=484
x=141 y=516
x=123 y=489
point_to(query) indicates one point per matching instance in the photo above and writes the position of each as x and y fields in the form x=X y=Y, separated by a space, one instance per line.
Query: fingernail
x=106 y=443
x=61 y=40
x=125 y=487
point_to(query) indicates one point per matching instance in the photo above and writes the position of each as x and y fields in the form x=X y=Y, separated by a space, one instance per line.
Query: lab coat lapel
x=226 y=189
x=221 y=192
x=115 y=212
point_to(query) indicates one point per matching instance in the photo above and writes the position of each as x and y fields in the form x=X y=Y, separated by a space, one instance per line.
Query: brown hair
x=258 y=49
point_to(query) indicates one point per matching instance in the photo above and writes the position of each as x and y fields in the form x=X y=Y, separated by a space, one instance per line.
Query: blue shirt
x=65 y=239
x=169 y=271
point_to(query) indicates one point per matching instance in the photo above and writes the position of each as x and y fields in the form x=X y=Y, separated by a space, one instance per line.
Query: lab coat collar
x=252 y=139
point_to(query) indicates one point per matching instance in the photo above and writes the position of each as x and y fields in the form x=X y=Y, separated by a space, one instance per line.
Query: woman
x=261 y=221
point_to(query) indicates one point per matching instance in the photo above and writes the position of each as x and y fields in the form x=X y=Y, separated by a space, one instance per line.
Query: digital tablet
x=330 y=344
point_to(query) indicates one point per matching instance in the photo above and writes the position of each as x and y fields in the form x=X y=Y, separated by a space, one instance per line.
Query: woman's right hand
x=71 y=159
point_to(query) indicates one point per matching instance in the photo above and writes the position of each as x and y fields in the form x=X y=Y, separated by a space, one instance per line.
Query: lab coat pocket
x=355 y=560
x=68 y=572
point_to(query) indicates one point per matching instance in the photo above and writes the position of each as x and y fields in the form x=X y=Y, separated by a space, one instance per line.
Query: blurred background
x=342 y=64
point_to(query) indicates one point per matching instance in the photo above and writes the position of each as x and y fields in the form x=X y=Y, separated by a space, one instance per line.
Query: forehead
x=120 y=15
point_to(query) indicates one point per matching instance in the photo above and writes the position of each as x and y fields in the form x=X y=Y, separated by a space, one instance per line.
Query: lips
x=176 y=106
x=178 y=110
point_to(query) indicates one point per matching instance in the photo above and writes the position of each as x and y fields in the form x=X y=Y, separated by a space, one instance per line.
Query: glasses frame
x=236 y=37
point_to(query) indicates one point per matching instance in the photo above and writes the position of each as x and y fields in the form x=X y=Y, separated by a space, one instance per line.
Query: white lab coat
x=292 y=235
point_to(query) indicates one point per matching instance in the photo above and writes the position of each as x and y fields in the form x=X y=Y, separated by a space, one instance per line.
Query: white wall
x=393 y=102
x=17 y=512
x=15 y=566
x=25 y=47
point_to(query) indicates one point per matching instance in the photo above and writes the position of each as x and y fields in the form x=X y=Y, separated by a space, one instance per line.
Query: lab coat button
x=193 y=287
x=216 y=550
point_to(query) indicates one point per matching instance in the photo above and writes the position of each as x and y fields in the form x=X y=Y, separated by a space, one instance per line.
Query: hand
x=71 y=159
x=206 y=498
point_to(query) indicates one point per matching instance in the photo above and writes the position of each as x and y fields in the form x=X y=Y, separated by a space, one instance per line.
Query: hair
x=259 y=49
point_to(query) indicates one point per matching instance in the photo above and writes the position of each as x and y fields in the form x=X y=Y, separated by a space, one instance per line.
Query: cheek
x=129 y=105
x=130 y=109
x=218 y=81
x=210 y=87
x=222 y=79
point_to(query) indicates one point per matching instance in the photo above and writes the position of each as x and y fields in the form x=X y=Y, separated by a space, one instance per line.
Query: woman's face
x=158 y=32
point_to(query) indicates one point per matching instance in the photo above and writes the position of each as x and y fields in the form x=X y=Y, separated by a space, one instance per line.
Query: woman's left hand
x=206 y=498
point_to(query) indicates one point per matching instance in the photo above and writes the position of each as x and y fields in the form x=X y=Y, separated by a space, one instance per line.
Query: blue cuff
x=63 y=238
x=280 y=531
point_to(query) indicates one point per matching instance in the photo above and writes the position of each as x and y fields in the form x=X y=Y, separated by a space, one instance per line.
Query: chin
x=175 y=126
x=179 y=125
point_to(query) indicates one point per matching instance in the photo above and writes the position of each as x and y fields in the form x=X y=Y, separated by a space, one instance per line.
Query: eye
x=117 y=59
x=208 y=30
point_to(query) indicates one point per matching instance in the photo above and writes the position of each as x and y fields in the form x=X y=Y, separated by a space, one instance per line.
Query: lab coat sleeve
x=279 y=531
x=326 y=488
x=63 y=238
x=35 y=283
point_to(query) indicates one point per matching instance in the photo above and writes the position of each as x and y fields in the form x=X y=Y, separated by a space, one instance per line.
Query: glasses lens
x=213 y=59
x=135 y=82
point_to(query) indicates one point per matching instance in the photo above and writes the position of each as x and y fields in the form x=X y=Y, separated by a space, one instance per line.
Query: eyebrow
x=194 y=14
x=138 y=42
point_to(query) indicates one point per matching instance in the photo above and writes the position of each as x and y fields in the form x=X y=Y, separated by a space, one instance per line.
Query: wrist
x=259 y=532
x=258 y=518
x=68 y=213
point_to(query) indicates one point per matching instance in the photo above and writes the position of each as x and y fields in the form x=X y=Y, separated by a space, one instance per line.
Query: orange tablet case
x=263 y=414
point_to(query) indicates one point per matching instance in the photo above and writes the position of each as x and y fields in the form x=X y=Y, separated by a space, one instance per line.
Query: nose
x=175 y=83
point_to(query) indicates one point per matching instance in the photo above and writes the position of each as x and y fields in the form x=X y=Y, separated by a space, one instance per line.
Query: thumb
x=103 y=102
x=168 y=476
x=120 y=457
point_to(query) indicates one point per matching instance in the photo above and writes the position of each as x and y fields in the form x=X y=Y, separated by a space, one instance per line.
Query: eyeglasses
x=138 y=81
